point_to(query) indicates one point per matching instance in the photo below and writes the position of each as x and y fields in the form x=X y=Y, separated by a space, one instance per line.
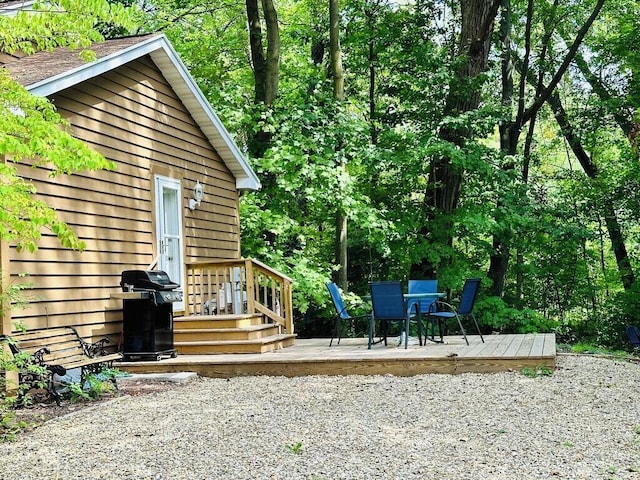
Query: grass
x=588 y=348
x=294 y=448
x=541 y=370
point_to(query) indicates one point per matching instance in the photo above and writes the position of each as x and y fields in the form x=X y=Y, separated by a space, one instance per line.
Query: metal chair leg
x=477 y=327
x=464 y=334
x=337 y=330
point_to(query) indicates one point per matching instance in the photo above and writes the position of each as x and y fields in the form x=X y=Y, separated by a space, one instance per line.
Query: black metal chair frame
x=465 y=308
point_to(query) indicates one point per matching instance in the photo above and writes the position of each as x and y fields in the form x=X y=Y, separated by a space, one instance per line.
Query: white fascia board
x=13 y=9
x=185 y=86
x=164 y=55
x=84 y=72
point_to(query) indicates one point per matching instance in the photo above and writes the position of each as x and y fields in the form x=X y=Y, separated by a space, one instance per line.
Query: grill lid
x=147 y=280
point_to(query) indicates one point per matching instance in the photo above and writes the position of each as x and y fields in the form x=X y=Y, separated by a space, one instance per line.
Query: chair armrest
x=97 y=349
x=445 y=304
x=413 y=303
x=38 y=355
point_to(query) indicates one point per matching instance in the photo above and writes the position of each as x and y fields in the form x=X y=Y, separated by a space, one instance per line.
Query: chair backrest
x=336 y=298
x=633 y=334
x=387 y=300
x=468 y=297
x=424 y=286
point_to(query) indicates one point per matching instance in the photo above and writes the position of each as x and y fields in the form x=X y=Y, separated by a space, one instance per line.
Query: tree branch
x=544 y=95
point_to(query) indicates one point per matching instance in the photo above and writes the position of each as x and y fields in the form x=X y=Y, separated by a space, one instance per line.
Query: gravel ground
x=582 y=422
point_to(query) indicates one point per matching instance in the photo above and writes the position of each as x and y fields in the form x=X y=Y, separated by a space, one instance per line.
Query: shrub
x=13 y=396
x=492 y=312
x=604 y=326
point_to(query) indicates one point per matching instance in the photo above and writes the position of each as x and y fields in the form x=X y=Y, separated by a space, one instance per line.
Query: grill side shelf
x=131 y=295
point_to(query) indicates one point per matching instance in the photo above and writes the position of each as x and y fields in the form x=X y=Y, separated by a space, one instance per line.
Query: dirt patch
x=44 y=407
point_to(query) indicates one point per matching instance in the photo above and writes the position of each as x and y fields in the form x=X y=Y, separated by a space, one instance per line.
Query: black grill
x=135 y=280
x=147 y=321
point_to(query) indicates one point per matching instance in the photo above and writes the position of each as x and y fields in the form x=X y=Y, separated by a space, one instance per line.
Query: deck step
x=217 y=321
x=259 y=345
x=251 y=332
x=216 y=334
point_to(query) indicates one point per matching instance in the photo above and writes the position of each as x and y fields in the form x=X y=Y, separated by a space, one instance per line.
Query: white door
x=169 y=230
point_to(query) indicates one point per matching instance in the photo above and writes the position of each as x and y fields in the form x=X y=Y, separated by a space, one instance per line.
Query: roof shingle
x=34 y=68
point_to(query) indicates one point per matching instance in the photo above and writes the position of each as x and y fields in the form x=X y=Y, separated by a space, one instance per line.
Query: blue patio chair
x=465 y=307
x=633 y=334
x=342 y=315
x=390 y=306
x=425 y=305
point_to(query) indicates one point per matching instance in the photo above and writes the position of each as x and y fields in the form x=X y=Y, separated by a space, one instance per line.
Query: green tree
x=454 y=162
x=446 y=172
x=511 y=127
x=30 y=129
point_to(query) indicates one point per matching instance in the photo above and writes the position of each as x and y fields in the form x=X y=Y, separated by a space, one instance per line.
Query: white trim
x=16 y=7
x=160 y=183
x=84 y=72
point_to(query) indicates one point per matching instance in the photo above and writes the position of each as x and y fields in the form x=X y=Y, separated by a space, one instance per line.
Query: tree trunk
x=443 y=187
x=475 y=42
x=337 y=72
x=334 y=50
x=272 y=70
x=372 y=58
x=257 y=52
x=266 y=66
x=510 y=132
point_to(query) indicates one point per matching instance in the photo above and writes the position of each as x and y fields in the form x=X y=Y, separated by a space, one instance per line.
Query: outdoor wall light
x=198 y=195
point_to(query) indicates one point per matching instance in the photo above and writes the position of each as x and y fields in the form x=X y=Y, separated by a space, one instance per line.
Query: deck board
x=526 y=346
x=549 y=347
x=502 y=347
x=512 y=351
x=475 y=348
x=538 y=344
x=351 y=357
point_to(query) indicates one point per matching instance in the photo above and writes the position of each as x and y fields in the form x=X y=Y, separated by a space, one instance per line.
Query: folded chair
x=390 y=306
x=633 y=334
x=425 y=305
x=465 y=308
x=342 y=315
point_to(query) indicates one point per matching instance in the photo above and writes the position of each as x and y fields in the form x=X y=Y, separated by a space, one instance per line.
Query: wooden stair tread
x=228 y=333
x=250 y=328
x=226 y=316
x=263 y=340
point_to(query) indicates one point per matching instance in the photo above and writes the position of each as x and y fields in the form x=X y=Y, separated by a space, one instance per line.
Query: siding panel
x=131 y=116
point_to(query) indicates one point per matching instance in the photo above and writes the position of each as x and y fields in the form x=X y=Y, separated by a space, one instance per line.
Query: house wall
x=132 y=116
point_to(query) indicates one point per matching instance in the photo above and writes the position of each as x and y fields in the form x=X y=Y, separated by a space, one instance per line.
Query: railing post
x=288 y=306
x=251 y=293
x=190 y=291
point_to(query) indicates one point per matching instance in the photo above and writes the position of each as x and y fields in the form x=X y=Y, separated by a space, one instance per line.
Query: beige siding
x=132 y=116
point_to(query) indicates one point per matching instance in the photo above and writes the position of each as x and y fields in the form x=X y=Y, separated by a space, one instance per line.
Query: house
x=171 y=203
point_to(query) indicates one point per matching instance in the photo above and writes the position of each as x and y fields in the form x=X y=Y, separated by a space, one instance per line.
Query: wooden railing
x=239 y=286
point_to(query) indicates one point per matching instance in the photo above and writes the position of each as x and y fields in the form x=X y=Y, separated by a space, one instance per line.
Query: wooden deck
x=351 y=357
